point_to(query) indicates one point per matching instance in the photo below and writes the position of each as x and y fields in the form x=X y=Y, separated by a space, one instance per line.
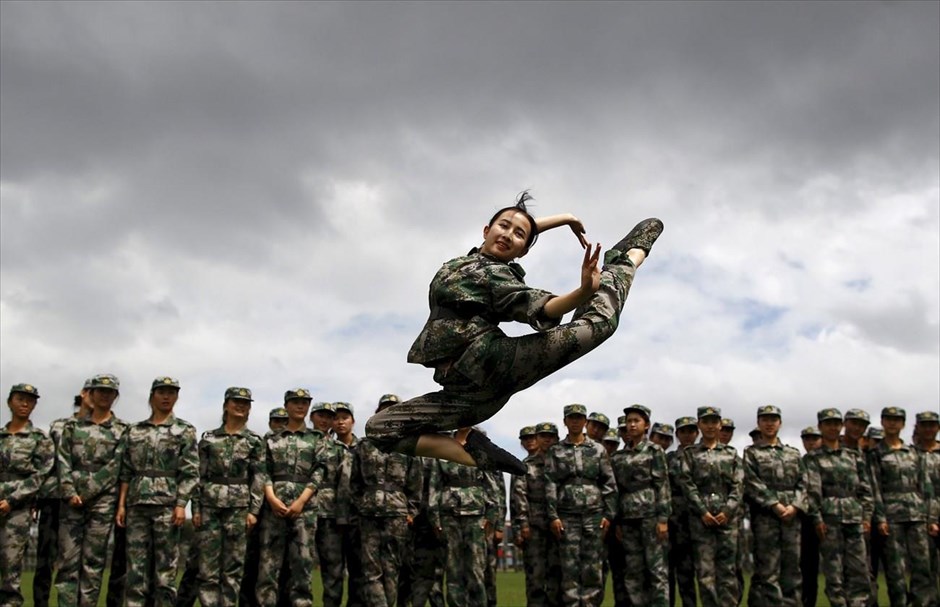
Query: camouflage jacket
x=50 y=485
x=161 y=463
x=497 y=480
x=578 y=479
x=901 y=485
x=932 y=459
x=26 y=458
x=837 y=486
x=334 y=497
x=772 y=474
x=231 y=470
x=680 y=505
x=294 y=462
x=456 y=490
x=469 y=296
x=527 y=506
x=712 y=479
x=642 y=482
x=385 y=484
x=88 y=458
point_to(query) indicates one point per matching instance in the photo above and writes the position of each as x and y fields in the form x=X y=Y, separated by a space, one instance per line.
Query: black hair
x=77 y=401
x=520 y=207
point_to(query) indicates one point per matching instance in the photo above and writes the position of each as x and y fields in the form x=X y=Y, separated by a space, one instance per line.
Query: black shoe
x=491 y=458
x=642 y=236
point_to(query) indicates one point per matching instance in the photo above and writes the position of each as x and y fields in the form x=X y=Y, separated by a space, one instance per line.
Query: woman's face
x=103 y=398
x=506 y=238
x=164 y=399
x=238 y=409
x=297 y=409
x=830 y=429
x=22 y=404
x=769 y=426
x=636 y=427
x=710 y=427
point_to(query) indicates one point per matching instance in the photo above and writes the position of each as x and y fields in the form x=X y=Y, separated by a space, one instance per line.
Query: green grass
x=510 y=588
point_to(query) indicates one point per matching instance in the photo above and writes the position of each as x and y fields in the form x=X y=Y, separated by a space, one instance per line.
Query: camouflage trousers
x=290 y=540
x=907 y=555
x=383 y=542
x=152 y=556
x=581 y=551
x=466 y=560
x=340 y=551
x=646 y=575
x=47 y=548
x=83 y=550
x=614 y=561
x=222 y=539
x=542 y=568
x=428 y=556
x=845 y=565
x=507 y=366
x=489 y=575
x=681 y=561
x=777 y=579
x=714 y=549
x=14 y=536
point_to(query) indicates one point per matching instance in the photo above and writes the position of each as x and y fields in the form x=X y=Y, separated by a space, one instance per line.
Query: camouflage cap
x=858 y=414
x=924 y=416
x=662 y=429
x=298 y=393
x=343 y=406
x=104 y=380
x=575 y=409
x=622 y=421
x=768 y=410
x=25 y=389
x=389 y=399
x=727 y=422
x=708 y=411
x=321 y=406
x=638 y=408
x=546 y=428
x=87 y=384
x=164 y=382
x=810 y=431
x=685 y=422
x=611 y=436
x=874 y=433
x=527 y=431
x=599 y=418
x=278 y=413
x=238 y=393
x=894 y=412
x=830 y=413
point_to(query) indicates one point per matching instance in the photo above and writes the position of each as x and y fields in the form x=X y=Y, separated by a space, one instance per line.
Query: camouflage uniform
x=492 y=544
x=903 y=491
x=932 y=458
x=25 y=459
x=580 y=491
x=231 y=487
x=293 y=463
x=388 y=491
x=47 y=529
x=88 y=462
x=840 y=497
x=712 y=481
x=809 y=541
x=774 y=474
x=428 y=553
x=681 y=562
x=161 y=469
x=644 y=501
x=529 y=512
x=461 y=499
x=477 y=365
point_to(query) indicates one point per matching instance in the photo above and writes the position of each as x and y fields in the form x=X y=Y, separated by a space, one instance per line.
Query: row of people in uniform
x=669 y=519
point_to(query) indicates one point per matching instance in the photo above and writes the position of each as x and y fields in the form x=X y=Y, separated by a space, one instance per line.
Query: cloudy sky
x=258 y=195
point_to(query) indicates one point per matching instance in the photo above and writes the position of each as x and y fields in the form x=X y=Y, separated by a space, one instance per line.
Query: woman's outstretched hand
x=578 y=228
x=590 y=269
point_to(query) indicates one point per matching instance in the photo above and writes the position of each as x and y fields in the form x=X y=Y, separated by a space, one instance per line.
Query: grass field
x=510 y=588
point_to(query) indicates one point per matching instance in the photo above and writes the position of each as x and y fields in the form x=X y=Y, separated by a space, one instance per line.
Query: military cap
x=546 y=428
x=164 y=382
x=321 y=406
x=642 y=410
x=754 y=432
x=87 y=384
x=858 y=414
x=622 y=421
x=599 y=418
x=830 y=413
x=106 y=381
x=662 y=429
x=343 y=406
x=708 y=411
x=575 y=409
x=894 y=412
x=810 y=431
x=238 y=393
x=768 y=410
x=25 y=389
x=389 y=399
x=527 y=431
x=611 y=436
x=924 y=416
x=298 y=393
x=685 y=422
x=278 y=413
x=727 y=422
x=874 y=433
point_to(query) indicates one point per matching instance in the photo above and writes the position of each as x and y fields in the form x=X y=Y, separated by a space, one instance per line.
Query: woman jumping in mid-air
x=477 y=365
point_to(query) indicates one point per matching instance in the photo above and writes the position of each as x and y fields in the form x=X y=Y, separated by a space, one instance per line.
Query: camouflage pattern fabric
x=152 y=539
x=47 y=538
x=529 y=513
x=681 y=562
x=774 y=473
x=477 y=365
x=492 y=544
x=428 y=554
x=712 y=480
x=932 y=459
